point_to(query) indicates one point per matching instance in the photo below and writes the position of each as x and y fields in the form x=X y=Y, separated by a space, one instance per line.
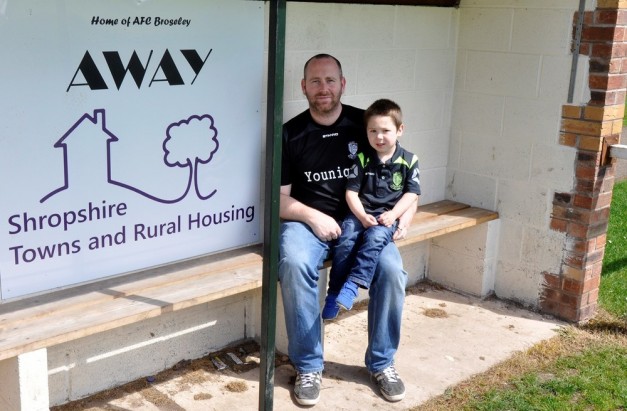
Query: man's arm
x=323 y=226
x=412 y=185
x=405 y=220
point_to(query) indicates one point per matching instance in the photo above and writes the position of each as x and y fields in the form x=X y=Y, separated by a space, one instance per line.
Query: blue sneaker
x=347 y=295
x=330 y=309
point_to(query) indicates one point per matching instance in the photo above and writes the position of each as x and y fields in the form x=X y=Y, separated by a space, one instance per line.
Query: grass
x=613 y=290
x=582 y=368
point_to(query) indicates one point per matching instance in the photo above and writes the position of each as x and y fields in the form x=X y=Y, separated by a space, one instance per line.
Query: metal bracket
x=577 y=45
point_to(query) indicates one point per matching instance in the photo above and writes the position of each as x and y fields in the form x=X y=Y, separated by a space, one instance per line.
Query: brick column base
x=583 y=214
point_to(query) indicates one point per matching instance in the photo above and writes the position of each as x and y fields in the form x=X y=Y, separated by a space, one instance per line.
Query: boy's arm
x=357 y=208
x=403 y=205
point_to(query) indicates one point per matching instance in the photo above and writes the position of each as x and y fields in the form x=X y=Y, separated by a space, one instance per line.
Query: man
x=319 y=146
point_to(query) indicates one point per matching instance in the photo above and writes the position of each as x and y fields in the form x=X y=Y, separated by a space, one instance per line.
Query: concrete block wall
x=512 y=78
x=404 y=53
x=88 y=365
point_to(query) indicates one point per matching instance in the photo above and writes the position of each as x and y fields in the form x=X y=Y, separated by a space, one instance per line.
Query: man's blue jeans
x=356 y=253
x=301 y=256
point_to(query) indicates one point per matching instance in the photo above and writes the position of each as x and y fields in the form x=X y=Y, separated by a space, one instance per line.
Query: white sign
x=130 y=135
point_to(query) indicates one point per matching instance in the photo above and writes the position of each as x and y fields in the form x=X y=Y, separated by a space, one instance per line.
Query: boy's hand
x=368 y=221
x=387 y=219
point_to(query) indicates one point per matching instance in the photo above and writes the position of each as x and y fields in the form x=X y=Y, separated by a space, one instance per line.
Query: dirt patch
x=434 y=313
x=203 y=396
x=236 y=386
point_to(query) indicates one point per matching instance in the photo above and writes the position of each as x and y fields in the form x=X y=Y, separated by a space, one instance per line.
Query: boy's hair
x=319 y=57
x=385 y=107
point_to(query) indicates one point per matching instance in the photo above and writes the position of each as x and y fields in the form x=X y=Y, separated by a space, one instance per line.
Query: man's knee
x=390 y=268
x=390 y=259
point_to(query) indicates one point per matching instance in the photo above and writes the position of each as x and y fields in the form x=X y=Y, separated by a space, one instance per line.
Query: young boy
x=382 y=184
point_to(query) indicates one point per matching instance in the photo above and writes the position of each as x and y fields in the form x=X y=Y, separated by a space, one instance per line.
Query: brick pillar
x=583 y=214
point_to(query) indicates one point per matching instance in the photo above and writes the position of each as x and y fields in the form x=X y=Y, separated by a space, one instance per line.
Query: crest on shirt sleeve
x=352 y=150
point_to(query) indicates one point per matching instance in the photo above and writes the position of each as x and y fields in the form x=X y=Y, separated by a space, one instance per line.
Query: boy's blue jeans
x=357 y=252
x=301 y=256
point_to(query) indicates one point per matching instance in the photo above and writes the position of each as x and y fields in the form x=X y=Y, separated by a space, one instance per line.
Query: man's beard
x=326 y=107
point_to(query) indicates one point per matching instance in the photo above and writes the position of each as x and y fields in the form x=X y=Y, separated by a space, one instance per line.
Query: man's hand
x=405 y=220
x=400 y=233
x=325 y=227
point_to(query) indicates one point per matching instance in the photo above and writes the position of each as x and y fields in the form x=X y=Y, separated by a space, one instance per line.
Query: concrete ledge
x=619 y=151
x=24 y=382
x=465 y=261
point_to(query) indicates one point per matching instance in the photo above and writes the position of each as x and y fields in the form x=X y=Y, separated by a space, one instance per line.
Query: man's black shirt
x=316 y=159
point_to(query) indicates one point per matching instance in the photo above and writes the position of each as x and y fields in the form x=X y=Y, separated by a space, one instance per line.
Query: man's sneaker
x=347 y=295
x=307 y=387
x=390 y=384
x=330 y=309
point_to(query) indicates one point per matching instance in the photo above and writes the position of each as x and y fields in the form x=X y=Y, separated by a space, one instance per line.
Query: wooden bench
x=43 y=321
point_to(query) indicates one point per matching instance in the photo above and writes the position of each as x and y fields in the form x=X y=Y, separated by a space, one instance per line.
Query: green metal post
x=274 y=123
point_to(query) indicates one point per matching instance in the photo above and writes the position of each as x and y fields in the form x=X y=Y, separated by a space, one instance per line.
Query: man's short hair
x=320 y=57
x=385 y=107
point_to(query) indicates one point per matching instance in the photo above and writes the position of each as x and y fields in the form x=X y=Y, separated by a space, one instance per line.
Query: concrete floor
x=446 y=338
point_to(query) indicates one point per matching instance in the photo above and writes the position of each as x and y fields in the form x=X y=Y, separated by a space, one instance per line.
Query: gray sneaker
x=307 y=388
x=390 y=384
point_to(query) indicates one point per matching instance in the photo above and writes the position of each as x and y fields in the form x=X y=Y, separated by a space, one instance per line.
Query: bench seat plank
x=424 y=227
x=432 y=210
x=38 y=322
x=76 y=322
x=12 y=313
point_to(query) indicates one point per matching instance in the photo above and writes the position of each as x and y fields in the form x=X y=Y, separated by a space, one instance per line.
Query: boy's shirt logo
x=397 y=181
x=354 y=172
x=352 y=150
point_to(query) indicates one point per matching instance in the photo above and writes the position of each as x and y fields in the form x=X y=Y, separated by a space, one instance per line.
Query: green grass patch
x=593 y=380
x=613 y=288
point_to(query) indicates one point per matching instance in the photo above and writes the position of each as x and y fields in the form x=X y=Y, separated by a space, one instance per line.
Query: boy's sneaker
x=390 y=384
x=347 y=295
x=330 y=309
x=307 y=388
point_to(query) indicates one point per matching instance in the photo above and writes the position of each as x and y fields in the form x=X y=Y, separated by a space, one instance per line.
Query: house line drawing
x=184 y=155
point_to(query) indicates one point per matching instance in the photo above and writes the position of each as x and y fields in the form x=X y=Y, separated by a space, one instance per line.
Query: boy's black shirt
x=381 y=185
